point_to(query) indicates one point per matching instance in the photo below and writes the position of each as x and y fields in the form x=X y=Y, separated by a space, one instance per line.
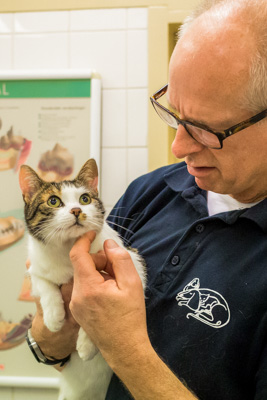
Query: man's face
x=205 y=84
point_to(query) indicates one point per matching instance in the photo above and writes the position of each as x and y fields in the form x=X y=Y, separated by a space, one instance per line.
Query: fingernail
x=110 y=244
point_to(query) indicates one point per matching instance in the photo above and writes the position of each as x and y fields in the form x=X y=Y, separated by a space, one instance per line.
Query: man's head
x=210 y=82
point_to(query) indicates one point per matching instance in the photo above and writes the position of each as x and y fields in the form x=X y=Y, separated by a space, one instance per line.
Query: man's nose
x=184 y=145
x=76 y=211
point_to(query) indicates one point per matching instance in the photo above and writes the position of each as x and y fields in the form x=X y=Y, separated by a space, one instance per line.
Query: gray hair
x=253 y=15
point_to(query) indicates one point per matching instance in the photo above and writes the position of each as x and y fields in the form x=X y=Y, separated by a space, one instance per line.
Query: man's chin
x=204 y=184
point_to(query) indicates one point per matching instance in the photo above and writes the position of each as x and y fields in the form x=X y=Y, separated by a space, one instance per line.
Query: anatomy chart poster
x=46 y=124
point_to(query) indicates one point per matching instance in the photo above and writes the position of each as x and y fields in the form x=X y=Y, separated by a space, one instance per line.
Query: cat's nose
x=76 y=211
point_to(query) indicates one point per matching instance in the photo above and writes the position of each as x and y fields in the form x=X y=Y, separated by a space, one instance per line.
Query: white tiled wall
x=114 y=43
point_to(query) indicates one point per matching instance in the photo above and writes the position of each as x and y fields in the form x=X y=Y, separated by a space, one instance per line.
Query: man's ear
x=29 y=181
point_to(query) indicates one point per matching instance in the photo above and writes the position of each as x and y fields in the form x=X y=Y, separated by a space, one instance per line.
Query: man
x=201 y=227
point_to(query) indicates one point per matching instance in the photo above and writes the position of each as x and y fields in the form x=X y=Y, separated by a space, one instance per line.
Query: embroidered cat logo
x=207 y=305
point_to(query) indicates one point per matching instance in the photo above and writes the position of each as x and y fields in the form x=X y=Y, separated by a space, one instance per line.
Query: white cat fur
x=87 y=375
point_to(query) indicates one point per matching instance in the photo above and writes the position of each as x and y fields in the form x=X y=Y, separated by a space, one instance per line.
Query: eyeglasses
x=199 y=132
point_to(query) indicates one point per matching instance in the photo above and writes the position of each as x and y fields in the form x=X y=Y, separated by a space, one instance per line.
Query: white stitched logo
x=206 y=305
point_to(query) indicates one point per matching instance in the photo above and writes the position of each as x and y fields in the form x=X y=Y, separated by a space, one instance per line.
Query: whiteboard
x=49 y=120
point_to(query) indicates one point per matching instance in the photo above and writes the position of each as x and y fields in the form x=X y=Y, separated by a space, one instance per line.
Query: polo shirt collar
x=258 y=214
x=180 y=181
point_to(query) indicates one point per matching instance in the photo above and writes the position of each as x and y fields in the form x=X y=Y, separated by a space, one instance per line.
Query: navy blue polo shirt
x=206 y=297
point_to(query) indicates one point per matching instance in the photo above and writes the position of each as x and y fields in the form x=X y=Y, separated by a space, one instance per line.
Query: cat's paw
x=54 y=320
x=86 y=349
x=54 y=326
x=87 y=353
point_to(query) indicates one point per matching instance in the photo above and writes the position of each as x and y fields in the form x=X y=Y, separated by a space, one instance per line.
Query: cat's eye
x=85 y=199
x=54 y=202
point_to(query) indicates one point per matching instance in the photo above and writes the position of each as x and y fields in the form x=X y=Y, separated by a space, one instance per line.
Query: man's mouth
x=199 y=171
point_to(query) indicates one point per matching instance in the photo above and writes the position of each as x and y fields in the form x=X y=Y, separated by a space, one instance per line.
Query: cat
x=56 y=214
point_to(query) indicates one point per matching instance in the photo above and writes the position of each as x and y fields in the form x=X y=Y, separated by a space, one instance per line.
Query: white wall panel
x=114 y=122
x=57 y=21
x=6 y=51
x=95 y=20
x=41 y=51
x=137 y=74
x=137 y=18
x=137 y=116
x=6 y=23
x=137 y=162
x=102 y=51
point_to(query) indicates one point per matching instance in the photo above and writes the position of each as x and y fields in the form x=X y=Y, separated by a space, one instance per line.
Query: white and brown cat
x=56 y=215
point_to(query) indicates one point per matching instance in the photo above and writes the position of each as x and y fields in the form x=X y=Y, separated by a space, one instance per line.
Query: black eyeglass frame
x=221 y=135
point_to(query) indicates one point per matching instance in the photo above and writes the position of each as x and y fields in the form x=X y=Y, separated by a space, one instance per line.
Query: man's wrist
x=128 y=357
x=40 y=356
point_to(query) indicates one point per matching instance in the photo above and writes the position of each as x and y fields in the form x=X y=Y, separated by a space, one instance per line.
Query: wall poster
x=50 y=121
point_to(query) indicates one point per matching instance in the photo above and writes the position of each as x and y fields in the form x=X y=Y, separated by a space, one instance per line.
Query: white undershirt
x=218 y=203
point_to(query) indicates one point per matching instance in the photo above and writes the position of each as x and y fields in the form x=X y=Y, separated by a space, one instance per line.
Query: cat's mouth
x=76 y=223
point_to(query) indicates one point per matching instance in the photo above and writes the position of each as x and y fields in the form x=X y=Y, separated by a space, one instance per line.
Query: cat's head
x=63 y=210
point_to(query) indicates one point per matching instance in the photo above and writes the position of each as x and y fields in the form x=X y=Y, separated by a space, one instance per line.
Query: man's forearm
x=147 y=377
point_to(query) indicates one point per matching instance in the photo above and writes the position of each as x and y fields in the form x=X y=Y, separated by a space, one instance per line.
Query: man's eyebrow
x=201 y=122
x=185 y=119
x=197 y=122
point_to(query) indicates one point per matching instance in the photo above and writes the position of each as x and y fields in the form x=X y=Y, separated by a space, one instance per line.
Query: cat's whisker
x=116 y=216
x=120 y=226
x=95 y=222
x=126 y=241
x=49 y=237
x=52 y=230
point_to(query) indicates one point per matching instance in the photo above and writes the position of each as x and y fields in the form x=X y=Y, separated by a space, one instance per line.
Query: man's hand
x=109 y=305
x=56 y=344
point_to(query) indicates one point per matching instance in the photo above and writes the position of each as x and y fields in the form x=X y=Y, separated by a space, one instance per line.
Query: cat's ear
x=88 y=174
x=29 y=182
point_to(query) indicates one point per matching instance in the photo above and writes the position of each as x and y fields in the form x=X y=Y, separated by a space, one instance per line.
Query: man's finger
x=38 y=306
x=122 y=265
x=83 y=244
x=66 y=292
x=100 y=260
x=82 y=261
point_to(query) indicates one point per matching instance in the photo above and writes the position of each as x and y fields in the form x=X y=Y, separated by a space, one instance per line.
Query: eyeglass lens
x=166 y=117
x=204 y=137
x=200 y=135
